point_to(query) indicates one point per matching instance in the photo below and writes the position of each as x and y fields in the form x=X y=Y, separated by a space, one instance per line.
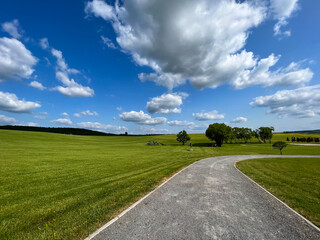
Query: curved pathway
x=210 y=199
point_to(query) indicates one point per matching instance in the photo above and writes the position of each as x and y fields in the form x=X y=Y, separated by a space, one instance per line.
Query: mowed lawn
x=296 y=181
x=55 y=186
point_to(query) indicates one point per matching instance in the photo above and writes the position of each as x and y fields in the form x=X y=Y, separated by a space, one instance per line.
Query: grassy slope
x=64 y=186
x=295 y=181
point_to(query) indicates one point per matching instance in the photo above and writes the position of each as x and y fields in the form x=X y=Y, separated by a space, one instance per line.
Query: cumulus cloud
x=85 y=113
x=15 y=60
x=166 y=103
x=65 y=115
x=37 y=85
x=188 y=125
x=9 y=102
x=301 y=102
x=62 y=121
x=239 y=120
x=151 y=130
x=70 y=87
x=282 y=10
x=260 y=74
x=141 y=118
x=44 y=43
x=199 y=40
x=13 y=28
x=180 y=123
x=4 y=120
x=100 y=9
x=203 y=116
x=102 y=127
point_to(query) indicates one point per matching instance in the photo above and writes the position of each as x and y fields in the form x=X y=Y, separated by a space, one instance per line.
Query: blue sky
x=160 y=66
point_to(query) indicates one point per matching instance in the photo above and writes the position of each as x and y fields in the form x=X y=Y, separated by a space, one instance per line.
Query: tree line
x=222 y=133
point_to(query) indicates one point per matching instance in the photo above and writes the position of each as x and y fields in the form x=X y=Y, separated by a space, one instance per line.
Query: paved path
x=210 y=200
x=305 y=144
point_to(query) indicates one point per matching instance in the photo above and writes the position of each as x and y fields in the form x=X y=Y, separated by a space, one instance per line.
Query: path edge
x=91 y=236
x=283 y=203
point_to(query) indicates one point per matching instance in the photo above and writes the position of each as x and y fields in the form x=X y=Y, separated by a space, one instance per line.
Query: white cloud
x=15 y=60
x=102 y=127
x=301 y=102
x=203 y=116
x=166 y=103
x=62 y=121
x=282 y=10
x=151 y=130
x=199 y=40
x=260 y=74
x=4 y=120
x=65 y=115
x=85 y=113
x=108 y=42
x=9 y=102
x=37 y=85
x=12 y=28
x=100 y=9
x=141 y=118
x=190 y=126
x=30 y=124
x=119 y=109
x=181 y=123
x=239 y=120
x=44 y=43
x=70 y=87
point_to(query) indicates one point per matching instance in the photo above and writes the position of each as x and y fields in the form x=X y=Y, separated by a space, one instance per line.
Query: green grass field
x=296 y=181
x=55 y=186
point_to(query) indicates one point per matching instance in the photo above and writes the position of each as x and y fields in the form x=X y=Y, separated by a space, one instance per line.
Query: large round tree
x=217 y=132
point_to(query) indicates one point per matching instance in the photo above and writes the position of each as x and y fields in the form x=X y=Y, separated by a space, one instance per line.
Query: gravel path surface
x=210 y=199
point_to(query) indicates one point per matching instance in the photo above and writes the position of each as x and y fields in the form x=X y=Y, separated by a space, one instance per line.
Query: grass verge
x=296 y=181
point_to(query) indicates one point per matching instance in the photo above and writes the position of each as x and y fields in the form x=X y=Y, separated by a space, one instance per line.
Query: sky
x=160 y=66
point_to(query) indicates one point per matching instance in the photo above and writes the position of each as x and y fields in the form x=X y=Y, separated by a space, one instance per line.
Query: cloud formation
x=102 y=127
x=4 y=120
x=70 y=87
x=15 y=60
x=9 y=102
x=62 y=121
x=141 y=118
x=282 y=11
x=203 y=116
x=13 y=28
x=106 y=41
x=85 y=113
x=199 y=40
x=300 y=103
x=166 y=103
x=37 y=85
x=44 y=43
x=239 y=120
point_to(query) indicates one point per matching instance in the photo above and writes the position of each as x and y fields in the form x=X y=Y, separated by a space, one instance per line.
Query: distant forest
x=305 y=131
x=73 y=131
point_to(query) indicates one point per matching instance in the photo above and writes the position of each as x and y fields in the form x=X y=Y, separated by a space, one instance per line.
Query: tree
x=237 y=133
x=279 y=145
x=247 y=134
x=183 y=137
x=255 y=134
x=265 y=133
x=217 y=132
